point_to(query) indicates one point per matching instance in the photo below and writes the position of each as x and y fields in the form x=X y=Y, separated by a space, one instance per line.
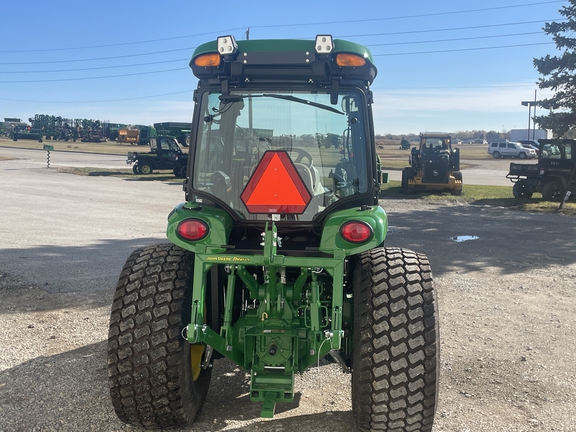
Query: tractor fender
x=333 y=241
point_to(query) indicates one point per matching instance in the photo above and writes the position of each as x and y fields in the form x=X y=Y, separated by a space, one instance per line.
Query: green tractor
x=276 y=257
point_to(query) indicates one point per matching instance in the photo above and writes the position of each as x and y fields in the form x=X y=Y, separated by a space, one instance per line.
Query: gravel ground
x=507 y=312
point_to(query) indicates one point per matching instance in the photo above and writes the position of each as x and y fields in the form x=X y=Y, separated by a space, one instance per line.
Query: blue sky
x=442 y=66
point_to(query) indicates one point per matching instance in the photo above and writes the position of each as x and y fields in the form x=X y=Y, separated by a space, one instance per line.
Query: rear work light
x=343 y=59
x=324 y=44
x=356 y=232
x=227 y=45
x=192 y=229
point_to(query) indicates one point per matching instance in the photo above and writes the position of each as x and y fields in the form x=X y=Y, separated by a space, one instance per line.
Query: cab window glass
x=325 y=141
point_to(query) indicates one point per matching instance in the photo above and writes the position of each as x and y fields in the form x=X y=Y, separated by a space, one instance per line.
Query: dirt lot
x=507 y=306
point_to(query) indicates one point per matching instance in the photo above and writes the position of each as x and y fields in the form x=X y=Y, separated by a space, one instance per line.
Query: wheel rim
x=146 y=169
x=196 y=353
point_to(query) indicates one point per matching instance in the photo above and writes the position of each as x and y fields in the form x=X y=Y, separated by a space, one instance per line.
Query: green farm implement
x=276 y=257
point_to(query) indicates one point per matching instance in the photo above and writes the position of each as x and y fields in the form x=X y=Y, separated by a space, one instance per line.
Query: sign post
x=48 y=149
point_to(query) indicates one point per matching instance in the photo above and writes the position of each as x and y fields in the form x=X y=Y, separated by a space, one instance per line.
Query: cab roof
x=281 y=59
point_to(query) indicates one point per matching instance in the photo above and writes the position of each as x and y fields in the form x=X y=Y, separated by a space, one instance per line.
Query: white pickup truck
x=500 y=149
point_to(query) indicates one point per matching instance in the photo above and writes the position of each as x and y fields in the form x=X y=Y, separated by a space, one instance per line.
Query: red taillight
x=192 y=229
x=356 y=232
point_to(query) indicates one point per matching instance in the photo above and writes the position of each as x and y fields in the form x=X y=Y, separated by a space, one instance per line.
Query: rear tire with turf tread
x=396 y=342
x=149 y=362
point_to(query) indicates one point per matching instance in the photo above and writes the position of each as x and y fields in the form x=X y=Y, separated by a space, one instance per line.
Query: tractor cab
x=315 y=118
x=282 y=129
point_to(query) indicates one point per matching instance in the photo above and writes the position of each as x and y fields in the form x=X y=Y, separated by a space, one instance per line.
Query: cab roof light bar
x=277 y=59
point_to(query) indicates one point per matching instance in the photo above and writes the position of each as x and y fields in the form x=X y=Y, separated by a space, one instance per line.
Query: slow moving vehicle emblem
x=276 y=187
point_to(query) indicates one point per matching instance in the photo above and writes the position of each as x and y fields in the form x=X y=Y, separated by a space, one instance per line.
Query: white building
x=532 y=134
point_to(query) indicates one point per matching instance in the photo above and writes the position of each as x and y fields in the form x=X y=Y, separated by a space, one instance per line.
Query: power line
x=95 y=68
x=375 y=88
x=288 y=25
x=186 y=59
x=191 y=90
x=119 y=44
x=92 y=78
x=454 y=39
x=100 y=101
x=99 y=58
x=410 y=16
x=340 y=36
x=450 y=29
x=181 y=69
x=461 y=49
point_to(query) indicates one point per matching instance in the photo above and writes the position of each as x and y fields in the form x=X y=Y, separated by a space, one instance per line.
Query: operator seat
x=306 y=175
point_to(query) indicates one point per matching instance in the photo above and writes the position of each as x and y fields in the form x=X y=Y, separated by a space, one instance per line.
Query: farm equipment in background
x=404 y=144
x=181 y=131
x=434 y=166
x=128 y=136
x=11 y=123
x=553 y=174
x=90 y=130
x=277 y=256
x=112 y=130
x=140 y=134
x=25 y=132
x=49 y=127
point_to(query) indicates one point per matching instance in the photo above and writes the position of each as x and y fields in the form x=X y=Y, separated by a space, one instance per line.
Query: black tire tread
x=520 y=190
x=395 y=368
x=553 y=191
x=148 y=360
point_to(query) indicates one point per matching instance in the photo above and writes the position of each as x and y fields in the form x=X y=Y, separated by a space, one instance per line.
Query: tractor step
x=271 y=386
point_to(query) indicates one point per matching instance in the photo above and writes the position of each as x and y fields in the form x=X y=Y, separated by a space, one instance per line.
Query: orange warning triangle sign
x=276 y=187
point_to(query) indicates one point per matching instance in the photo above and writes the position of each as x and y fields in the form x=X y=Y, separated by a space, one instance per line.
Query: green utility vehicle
x=277 y=255
x=434 y=166
x=553 y=175
x=165 y=153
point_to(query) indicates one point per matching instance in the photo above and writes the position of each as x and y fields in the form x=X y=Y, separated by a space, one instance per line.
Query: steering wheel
x=301 y=155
